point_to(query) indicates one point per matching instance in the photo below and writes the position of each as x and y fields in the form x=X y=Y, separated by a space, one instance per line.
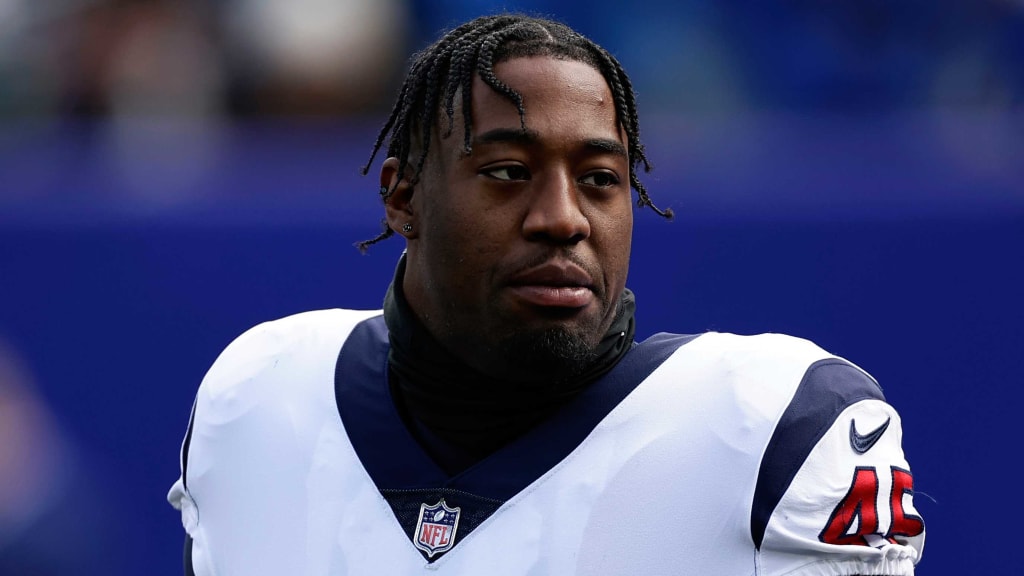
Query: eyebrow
x=528 y=137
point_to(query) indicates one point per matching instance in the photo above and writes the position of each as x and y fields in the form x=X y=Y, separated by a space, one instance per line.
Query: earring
x=383 y=192
x=406 y=228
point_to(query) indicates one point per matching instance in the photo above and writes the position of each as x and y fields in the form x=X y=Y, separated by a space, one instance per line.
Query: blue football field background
x=122 y=277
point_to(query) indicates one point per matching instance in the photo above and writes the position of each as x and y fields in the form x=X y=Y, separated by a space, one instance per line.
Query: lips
x=554 y=284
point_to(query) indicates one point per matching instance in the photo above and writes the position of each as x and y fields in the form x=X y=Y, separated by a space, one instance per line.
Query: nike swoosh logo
x=861 y=443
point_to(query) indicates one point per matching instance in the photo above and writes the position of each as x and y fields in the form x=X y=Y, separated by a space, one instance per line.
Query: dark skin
x=529 y=235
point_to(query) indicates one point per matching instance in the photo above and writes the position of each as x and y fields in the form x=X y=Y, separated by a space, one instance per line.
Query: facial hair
x=545 y=357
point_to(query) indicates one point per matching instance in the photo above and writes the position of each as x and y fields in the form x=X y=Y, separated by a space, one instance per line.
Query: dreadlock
x=447 y=67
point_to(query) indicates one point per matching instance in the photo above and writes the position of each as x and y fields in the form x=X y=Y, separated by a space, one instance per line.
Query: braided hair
x=448 y=66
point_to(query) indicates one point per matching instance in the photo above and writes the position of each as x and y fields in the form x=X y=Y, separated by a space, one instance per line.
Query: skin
x=519 y=251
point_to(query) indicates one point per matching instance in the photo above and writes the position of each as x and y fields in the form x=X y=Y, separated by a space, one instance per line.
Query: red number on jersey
x=903 y=524
x=859 y=507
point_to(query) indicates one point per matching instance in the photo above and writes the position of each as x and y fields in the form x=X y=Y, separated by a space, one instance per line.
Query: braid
x=625 y=107
x=471 y=50
x=485 y=66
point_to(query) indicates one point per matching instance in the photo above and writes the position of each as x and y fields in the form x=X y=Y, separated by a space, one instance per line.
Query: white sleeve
x=848 y=509
x=260 y=415
x=230 y=381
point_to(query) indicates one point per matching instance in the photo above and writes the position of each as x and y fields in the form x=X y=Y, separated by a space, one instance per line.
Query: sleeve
x=227 y=395
x=264 y=416
x=181 y=500
x=835 y=494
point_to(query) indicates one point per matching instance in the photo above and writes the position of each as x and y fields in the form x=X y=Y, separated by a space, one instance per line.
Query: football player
x=497 y=416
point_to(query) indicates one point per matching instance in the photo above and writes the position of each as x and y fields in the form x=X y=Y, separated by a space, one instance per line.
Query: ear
x=398 y=207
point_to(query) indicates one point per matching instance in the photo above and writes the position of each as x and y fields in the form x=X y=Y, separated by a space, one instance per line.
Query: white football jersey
x=713 y=454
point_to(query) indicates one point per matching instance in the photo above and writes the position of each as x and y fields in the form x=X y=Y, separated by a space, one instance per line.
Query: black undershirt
x=458 y=415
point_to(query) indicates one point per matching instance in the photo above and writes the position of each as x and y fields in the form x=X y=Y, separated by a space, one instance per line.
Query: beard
x=541 y=358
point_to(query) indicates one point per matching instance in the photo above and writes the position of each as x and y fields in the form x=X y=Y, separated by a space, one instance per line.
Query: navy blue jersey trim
x=405 y=504
x=387 y=450
x=828 y=387
x=521 y=462
x=395 y=461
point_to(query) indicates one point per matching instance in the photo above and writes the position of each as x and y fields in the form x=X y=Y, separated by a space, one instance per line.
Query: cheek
x=457 y=246
x=616 y=242
x=472 y=230
x=620 y=262
x=615 y=228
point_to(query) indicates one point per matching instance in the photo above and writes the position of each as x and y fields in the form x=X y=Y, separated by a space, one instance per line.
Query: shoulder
x=263 y=417
x=741 y=350
x=278 y=344
x=294 y=332
x=767 y=347
x=780 y=359
x=273 y=372
x=789 y=389
x=273 y=383
x=833 y=480
x=769 y=365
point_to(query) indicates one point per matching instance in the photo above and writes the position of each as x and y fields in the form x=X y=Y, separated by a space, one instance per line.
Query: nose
x=554 y=213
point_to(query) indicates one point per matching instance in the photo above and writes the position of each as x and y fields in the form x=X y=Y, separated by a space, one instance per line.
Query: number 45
x=855 y=518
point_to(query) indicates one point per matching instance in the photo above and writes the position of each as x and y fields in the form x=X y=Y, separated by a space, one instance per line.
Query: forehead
x=543 y=81
x=560 y=97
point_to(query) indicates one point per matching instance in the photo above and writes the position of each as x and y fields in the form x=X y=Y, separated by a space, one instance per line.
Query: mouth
x=555 y=284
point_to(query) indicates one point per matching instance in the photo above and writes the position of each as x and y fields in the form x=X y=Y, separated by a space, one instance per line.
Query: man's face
x=520 y=249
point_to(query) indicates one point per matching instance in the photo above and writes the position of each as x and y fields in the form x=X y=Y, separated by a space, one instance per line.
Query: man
x=496 y=416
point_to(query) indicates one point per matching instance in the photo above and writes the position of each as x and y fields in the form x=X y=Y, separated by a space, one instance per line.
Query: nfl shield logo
x=435 y=529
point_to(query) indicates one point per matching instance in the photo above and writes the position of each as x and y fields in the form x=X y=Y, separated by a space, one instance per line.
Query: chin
x=544 y=356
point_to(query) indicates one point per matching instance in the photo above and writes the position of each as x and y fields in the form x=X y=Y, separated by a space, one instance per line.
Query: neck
x=460 y=415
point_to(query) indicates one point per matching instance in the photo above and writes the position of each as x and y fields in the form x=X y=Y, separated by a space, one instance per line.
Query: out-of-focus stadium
x=173 y=172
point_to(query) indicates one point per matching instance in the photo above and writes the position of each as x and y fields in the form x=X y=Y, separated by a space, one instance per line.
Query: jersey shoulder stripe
x=828 y=387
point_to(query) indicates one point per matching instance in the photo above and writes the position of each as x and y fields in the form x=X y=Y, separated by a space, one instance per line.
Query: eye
x=600 y=179
x=508 y=173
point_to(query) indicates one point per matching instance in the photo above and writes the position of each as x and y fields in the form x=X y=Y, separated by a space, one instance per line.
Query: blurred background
x=173 y=172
